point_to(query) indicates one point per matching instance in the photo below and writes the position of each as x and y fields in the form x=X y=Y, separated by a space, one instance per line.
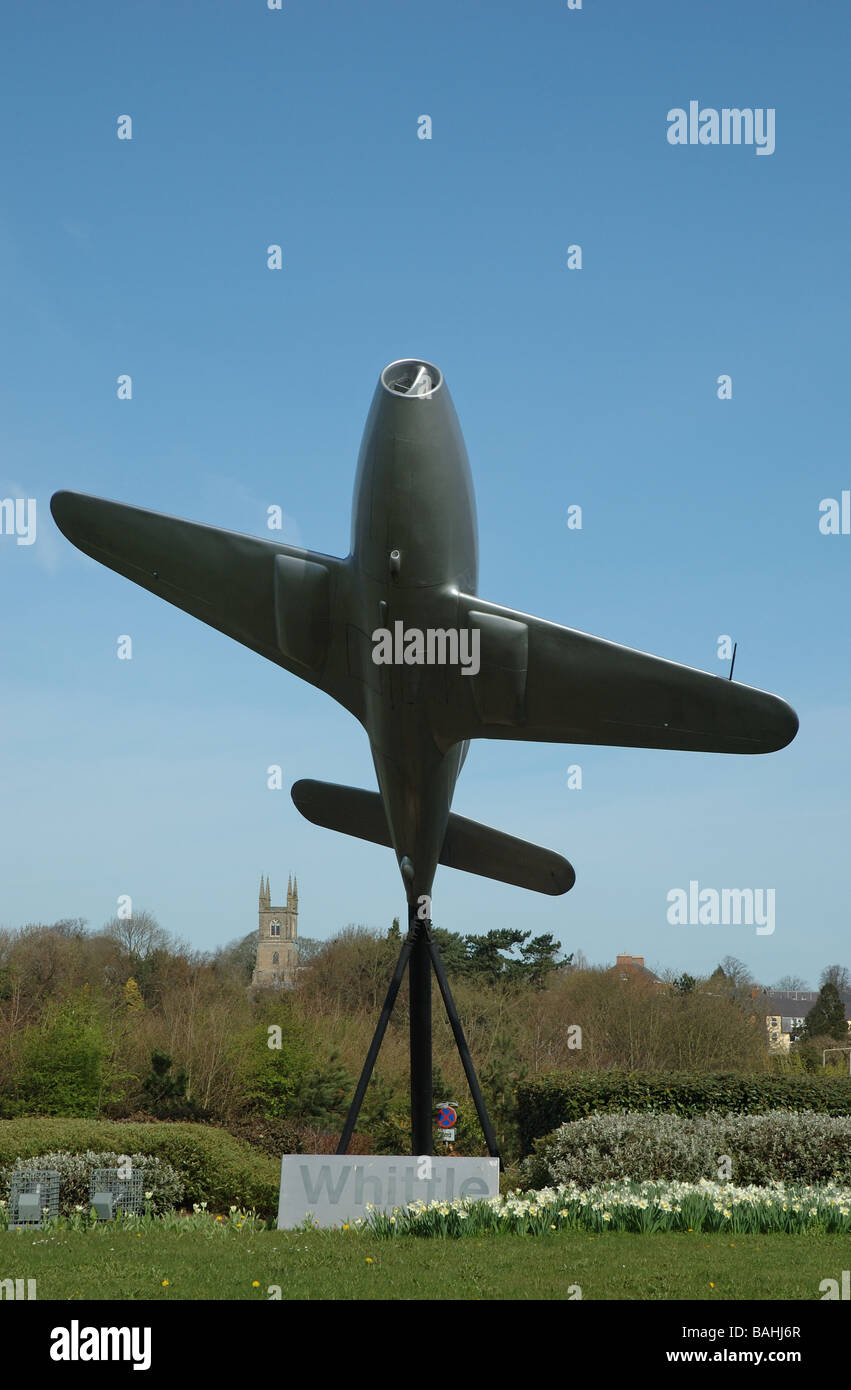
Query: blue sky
x=594 y=386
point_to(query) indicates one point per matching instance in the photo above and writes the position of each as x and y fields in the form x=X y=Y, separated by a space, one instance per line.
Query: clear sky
x=595 y=387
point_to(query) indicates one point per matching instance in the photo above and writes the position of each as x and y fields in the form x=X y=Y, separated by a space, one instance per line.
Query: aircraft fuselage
x=414 y=546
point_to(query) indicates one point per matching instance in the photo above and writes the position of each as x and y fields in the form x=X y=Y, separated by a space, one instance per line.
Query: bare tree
x=736 y=971
x=836 y=975
x=790 y=984
x=139 y=936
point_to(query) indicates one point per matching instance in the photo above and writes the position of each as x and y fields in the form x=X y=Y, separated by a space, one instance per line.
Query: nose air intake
x=422 y=384
x=411 y=377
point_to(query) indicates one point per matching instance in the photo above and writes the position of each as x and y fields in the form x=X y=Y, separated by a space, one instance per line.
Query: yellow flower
x=368 y=1260
x=711 y=1285
x=165 y=1281
x=255 y=1283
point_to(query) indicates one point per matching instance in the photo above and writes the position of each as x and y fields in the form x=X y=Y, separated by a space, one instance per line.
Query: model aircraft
x=397 y=634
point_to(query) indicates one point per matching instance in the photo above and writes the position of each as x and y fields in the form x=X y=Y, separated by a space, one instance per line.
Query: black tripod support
x=420 y=950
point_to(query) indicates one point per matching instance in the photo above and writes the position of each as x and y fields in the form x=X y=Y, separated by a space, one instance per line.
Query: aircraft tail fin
x=475 y=848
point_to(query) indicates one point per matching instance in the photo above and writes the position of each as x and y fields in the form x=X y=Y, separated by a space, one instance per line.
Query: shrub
x=214 y=1167
x=59 y=1070
x=75 y=1172
x=543 y=1105
x=165 y=1092
x=779 y=1146
x=277 y=1137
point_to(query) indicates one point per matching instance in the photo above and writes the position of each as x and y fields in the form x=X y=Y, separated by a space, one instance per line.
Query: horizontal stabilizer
x=475 y=848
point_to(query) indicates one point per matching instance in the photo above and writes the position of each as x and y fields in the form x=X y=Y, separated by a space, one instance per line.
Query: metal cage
x=110 y=1193
x=34 y=1197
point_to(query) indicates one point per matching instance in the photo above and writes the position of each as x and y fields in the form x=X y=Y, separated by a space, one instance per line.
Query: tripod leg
x=461 y=1044
x=380 y=1029
x=421 y=1083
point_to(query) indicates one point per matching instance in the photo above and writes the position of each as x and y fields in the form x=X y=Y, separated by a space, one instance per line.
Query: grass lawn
x=330 y=1265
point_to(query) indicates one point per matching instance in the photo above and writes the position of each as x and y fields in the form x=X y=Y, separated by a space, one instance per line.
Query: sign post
x=447 y=1119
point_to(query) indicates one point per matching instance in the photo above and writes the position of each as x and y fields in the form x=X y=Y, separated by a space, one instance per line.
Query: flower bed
x=625 y=1205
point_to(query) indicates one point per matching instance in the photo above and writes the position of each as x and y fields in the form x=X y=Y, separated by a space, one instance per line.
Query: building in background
x=786 y=1010
x=277 y=946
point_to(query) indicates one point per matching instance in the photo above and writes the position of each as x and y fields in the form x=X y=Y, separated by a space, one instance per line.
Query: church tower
x=277 y=946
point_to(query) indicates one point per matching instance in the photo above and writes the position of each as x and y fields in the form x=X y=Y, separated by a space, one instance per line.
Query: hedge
x=162 y=1185
x=789 y=1147
x=215 y=1167
x=554 y=1100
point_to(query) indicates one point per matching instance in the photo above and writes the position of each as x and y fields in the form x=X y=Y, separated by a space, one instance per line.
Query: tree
x=685 y=984
x=838 y=976
x=736 y=971
x=395 y=932
x=308 y=949
x=733 y=977
x=138 y=936
x=238 y=956
x=285 y=1078
x=321 y=1095
x=133 y=997
x=61 y=1062
x=72 y=927
x=486 y=956
x=453 y=950
x=539 y=958
x=790 y=984
x=166 y=1094
x=349 y=973
x=826 y=1019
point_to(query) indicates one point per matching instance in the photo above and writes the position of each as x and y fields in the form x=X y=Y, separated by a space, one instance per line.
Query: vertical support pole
x=380 y=1030
x=419 y=975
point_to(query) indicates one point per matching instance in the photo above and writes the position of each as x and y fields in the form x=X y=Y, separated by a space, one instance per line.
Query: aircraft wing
x=277 y=599
x=550 y=684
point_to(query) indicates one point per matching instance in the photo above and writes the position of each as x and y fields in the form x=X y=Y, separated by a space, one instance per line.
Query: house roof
x=793 y=1003
x=634 y=965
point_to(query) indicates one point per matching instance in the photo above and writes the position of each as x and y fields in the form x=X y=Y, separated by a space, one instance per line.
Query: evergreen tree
x=486 y=958
x=166 y=1094
x=826 y=1018
x=453 y=950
